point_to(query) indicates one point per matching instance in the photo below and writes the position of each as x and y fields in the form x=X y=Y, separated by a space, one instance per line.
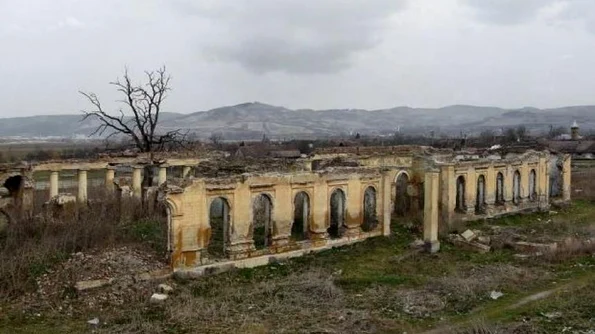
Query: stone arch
x=337 y=213
x=219 y=222
x=402 y=199
x=460 y=204
x=262 y=221
x=301 y=216
x=370 y=217
x=171 y=210
x=14 y=185
x=516 y=187
x=500 y=188
x=532 y=185
x=480 y=198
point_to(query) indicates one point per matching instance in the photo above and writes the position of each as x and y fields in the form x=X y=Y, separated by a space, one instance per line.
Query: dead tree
x=138 y=119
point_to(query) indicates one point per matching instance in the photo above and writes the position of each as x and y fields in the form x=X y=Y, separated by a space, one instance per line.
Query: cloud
x=508 y=12
x=292 y=36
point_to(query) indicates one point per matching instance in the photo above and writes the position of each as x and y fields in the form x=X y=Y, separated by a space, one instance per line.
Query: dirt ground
x=381 y=285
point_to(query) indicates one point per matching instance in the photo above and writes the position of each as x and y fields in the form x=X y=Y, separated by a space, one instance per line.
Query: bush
x=31 y=246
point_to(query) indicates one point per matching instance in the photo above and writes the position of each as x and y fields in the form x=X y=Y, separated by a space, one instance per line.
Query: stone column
x=186 y=170
x=471 y=190
x=54 y=183
x=82 y=186
x=566 y=178
x=431 y=190
x=110 y=174
x=449 y=194
x=386 y=203
x=490 y=190
x=162 y=176
x=137 y=181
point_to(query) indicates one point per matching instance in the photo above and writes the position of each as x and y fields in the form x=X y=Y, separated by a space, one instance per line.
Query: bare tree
x=216 y=138
x=138 y=119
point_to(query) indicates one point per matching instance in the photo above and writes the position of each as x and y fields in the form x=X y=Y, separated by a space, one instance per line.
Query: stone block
x=468 y=235
x=92 y=284
x=472 y=246
x=530 y=247
x=158 y=298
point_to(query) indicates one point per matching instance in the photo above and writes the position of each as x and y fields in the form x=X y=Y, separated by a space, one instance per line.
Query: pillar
x=162 y=176
x=431 y=189
x=470 y=190
x=110 y=175
x=54 y=183
x=82 y=186
x=137 y=181
x=386 y=203
x=186 y=171
x=449 y=193
x=566 y=178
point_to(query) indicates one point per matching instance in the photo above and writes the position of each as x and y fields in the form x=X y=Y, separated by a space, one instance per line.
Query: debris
x=164 y=288
x=92 y=284
x=94 y=321
x=552 y=315
x=496 y=294
x=553 y=212
x=471 y=245
x=484 y=240
x=527 y=256
x=468 y=235
x=530 y=247
x=158 y=298
x=417 y=243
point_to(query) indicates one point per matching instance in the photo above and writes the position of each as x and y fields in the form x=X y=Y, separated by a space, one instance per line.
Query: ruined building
x=220 y=217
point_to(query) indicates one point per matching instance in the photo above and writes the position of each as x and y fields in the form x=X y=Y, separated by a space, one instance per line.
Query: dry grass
x=29 y=247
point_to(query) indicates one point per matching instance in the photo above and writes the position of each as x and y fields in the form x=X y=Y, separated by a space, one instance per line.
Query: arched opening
x=500 y=188
x=219 y=217
x=402 y=199
x=13 y=184
x=556 y=180
x=337 y=223
x=262 y=222
x=532 y=185
x=516 y=187
x=460 y=199
x=301 y=216
x=370 y=217
x=480 y=198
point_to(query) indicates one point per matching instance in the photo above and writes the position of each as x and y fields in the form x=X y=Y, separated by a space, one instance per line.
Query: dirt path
x=493 y=312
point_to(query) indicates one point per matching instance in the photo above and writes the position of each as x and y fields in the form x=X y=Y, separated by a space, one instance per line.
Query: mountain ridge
x=250 y=120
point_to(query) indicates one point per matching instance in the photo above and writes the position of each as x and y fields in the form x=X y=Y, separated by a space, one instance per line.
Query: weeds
x=29 y=248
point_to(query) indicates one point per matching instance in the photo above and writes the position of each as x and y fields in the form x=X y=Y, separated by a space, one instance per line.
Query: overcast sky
x=300 y=53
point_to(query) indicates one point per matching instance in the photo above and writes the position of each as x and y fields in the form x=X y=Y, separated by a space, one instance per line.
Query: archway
x=402 y=198
x=480 y=199
x=532 y=185
x=370 y=220
x=460 y=199
x=262 y=222
x=219 y=217
x=516 y=187
x=500 y=188
x=301 y=216
x=337 y=223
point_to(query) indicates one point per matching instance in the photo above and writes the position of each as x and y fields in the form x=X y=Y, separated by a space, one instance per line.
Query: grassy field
x=377 y=286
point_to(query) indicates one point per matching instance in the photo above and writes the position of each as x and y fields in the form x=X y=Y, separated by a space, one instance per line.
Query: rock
x=553 y=212
x=473 y=246
x=417 y=243
x=92 y=284
x=526 y=256
x=4 y=192
x=496 y=294
x=94 y=321
x=552 y=315
x=164 y=288
x=468 y=235
x=158 y=298
x=155 y=275
x=530 y=247
x=484 y=240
